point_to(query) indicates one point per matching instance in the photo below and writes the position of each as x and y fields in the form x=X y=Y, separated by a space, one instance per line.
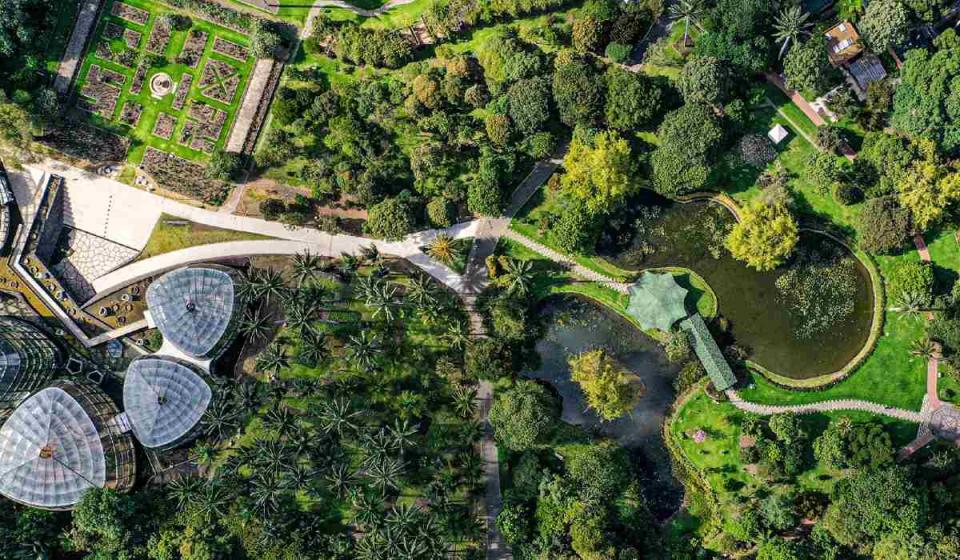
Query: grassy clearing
x=142 y=135
x=172 y=233
x=717 y=458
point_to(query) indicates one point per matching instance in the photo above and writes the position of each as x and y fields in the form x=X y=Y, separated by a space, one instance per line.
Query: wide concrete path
x=70 y=63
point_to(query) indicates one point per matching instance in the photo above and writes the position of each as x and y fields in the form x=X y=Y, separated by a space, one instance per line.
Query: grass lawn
x=172 y=233
x=57 y=37
x=141 y=133
x=717 y=458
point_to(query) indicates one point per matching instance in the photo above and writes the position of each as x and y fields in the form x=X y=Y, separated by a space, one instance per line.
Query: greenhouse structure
x=164 y=399
x=28 y=360
x=195 y=309
x=61 y=442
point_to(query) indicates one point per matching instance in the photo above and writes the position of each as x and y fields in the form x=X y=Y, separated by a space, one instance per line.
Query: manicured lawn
x=171 y=234
x=142 y=133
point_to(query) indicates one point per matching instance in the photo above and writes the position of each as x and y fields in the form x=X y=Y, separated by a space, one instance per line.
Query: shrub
x=912 y=279
x=847 y=193
x=756 y=150
x=618 y=52
x=524 y=416
x=440 y=212
x=391 y=219
x=883 y=226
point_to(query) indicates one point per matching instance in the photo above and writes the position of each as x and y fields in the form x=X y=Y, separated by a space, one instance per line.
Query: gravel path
x=82 y=28
x=827 y=406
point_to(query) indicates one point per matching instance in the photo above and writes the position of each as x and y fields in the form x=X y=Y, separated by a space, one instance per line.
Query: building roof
x=656 y=301
x=843 y=43
x=867 y=69
x=50 y=451
x=164 y=399
x=778 y=133
x=709 y=353
x=194 y=308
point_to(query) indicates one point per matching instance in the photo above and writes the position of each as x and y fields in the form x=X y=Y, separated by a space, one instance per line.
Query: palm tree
x=909 y=304
x=305 y=266
x=364 y=349
x=347 y=264
x=410 y=404
x=269 y=284
x=340 y=479
x=220 y=420
x=456 y=336
x=518 y=276
x=464 y=401
x=925 y=348
x=313 y=347
x=382 y=298
x=273 y=359
x=403 y=517
x=336 y=416
x=421 y=292
x=266 y=490
x=790 y=26
x=689 y=11
x=401 y=434
x=272 y=456
x=247 y=289
x=280 y=420
x=299 y=313
x=385 y=474
x=185 y=490
x=255 y=324
x=247 y=396
x=212 y=501
x=442 y=248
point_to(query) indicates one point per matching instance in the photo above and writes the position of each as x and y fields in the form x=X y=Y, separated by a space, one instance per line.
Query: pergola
x=656 y=301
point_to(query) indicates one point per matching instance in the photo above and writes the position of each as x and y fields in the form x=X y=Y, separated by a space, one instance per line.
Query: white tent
x=777 y=134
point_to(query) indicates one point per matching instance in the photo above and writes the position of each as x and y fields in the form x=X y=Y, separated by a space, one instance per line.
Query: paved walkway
x=826 y=406
x=576 y=269
x=319 y=5
x=497 y=548
x=250 y=107
x=797 y=99
x=70 y=63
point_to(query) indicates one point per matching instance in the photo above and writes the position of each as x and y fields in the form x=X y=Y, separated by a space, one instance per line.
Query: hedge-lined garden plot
x=208 y=64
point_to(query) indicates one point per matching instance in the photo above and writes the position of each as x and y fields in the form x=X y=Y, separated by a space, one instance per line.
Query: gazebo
x=656 y=301
x=778 y=134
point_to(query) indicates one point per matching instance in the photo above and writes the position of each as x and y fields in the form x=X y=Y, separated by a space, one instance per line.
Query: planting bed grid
x=132 y=44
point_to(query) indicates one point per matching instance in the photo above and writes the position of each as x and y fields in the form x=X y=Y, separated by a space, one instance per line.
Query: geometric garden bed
x=189 y=112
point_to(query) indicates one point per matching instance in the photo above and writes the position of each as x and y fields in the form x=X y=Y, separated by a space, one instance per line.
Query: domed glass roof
x=193 y=308
x=50 y=452
x=164 y=399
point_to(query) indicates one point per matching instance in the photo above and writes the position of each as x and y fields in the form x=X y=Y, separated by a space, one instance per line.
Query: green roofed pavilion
x=656 y=301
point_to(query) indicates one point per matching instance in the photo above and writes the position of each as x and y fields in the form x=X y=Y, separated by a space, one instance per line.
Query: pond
x=576 y=325
x=808 y=317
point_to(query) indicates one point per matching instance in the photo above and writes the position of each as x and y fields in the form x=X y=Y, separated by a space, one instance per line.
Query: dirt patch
x=752 y=468
x=746 y=442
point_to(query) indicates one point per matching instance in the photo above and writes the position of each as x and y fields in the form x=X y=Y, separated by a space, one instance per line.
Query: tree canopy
x=599 y=171
x=765 y=235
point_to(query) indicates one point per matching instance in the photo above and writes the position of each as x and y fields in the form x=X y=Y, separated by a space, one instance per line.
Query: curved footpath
x=827 y=406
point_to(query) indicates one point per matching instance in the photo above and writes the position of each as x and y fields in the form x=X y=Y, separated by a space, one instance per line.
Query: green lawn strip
x=167 y=237
x=596 y=264
x=794 y=113
x=717 y=458
x=142 y=135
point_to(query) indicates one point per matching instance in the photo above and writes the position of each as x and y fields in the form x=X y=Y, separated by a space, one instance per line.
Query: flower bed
x=210 y=119
x=100 y=91
x=230 y=49
x=192 y=137
x=193 y=49
x=217 y=13
x=164 y=126
x=263 y=108
x=87 y=142
x=183 y=89
x=219 y=81
x=138 y=79
x=183 y=177
x=159 y=37
x=129 y=13
x=132 y=38
x=131 y=113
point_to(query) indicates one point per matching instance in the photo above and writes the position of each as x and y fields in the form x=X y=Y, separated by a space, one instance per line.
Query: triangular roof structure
x=778 y=134
x=656 y=301
x=194 y=308
x=50 y=452
x=164 y=399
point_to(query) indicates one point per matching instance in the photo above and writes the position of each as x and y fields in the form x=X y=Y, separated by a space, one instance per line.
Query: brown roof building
x=843 y=43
